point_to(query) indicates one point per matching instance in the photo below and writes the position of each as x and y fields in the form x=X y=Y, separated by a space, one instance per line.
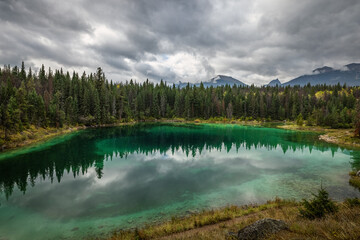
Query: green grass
x=33 y=135
x=354 y=180
x=198 y=220
x=217 y=223
x=341 y=137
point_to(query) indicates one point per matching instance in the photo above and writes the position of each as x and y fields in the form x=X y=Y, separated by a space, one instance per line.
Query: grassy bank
x=220 y=121
x=33 y=135
x=354 y=180
x=341 y=137
x=199 y=220
x=218 y=223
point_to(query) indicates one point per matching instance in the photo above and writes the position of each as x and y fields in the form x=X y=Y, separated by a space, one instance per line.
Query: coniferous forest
x=57 y=98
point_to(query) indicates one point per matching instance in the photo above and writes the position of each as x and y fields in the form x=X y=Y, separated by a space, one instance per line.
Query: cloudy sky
x=183 y=40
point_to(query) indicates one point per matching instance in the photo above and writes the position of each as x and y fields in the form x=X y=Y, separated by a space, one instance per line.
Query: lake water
x=97 y=180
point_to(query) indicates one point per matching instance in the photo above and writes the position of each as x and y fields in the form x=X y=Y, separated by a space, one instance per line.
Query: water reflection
x=128 y=176
x=92 y=148
x=355 y=160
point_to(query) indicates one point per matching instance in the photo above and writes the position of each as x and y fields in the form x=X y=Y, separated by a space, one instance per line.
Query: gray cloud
x=163 y=73
x=182 y=40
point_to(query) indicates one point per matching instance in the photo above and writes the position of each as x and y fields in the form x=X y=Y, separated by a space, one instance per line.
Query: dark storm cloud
x=39 y=30
x=41 y=15
x=254 y=41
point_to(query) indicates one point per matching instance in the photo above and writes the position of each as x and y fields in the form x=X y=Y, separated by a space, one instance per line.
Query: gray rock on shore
x=358 y=173
x=261 y=229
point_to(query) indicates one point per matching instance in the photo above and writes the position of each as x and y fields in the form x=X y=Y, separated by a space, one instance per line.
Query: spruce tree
x=357 y=119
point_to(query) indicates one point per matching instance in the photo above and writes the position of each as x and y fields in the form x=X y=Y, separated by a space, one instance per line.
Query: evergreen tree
x=357 y=120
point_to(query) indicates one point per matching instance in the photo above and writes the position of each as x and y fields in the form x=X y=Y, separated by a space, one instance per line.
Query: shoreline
x=218 y=223
x=340 y=137
x=33 y=136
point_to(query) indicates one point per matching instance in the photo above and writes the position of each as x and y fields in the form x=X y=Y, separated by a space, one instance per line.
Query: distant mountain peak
x=324 y=69
x=330 y=76
x=214 y=79
x=223 y=80
x=274 y=83
x=353 y=67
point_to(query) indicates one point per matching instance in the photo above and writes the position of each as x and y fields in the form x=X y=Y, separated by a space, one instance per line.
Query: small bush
x=300 y=120
x=319 y=206
x=355 y=182
x=138 y=235
x=352 y=202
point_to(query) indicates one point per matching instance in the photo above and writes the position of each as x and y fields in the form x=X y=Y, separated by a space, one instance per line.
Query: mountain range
x=349 y=75
x=219 y=80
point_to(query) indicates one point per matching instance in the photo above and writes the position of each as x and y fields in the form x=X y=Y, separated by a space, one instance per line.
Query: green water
x=98 y=180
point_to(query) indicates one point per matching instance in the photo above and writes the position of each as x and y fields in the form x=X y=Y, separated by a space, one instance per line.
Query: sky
x=182 y=40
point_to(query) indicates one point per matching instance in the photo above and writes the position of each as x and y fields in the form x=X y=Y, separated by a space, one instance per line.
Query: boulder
x=231 y=236
x=358 y=173
x=261 y=229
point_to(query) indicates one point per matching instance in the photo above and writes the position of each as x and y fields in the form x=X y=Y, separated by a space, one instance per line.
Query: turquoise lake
x=95 y=181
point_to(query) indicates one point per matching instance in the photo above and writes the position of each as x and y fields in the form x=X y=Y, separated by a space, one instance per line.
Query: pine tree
x=23 y=72
x=299 y=120
x=14 y=122
x=357 y=119
x=319 y=206
x=6 y=121
x=22 y=104
x=97 y=109
x=229 y=111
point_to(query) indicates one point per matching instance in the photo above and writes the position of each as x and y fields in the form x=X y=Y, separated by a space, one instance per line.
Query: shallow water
x=98 y=180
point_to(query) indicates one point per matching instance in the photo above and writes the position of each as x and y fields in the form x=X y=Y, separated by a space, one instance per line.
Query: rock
x=358 y=173
x=231 y=236
x=190 y=212
x=261 y=229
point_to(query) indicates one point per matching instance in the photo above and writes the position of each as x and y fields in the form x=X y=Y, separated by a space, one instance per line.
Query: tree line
x=58 y=98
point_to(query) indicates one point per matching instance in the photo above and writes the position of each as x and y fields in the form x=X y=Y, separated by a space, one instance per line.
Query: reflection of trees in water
x=197 y=139
x=92 y=147
x=355 y=160
x=75 y=155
